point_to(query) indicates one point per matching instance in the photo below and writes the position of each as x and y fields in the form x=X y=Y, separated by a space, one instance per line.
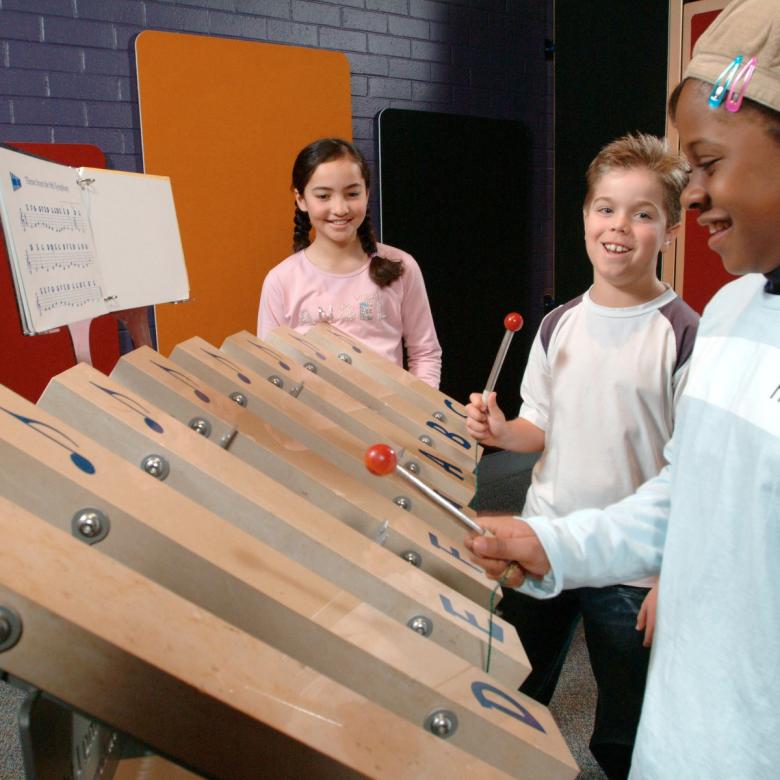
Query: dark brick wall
x=66 y=66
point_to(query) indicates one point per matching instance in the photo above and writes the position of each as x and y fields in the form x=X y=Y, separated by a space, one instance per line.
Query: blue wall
x=66 y=66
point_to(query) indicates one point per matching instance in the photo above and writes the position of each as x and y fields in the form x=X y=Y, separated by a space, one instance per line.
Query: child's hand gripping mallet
x=512 y=322
x=381 y=460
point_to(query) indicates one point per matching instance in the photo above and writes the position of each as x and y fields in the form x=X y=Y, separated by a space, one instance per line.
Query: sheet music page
x=137 y=239
x=50 y=244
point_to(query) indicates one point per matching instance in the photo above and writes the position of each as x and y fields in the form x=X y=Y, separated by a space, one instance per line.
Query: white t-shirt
x=603 y=383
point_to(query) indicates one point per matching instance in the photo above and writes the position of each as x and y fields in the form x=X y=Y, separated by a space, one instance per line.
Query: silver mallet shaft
x=440 y=500
x=497 y=364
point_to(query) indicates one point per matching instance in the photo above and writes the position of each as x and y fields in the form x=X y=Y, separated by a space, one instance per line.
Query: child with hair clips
x=599 y=394
x=372 y=291
x=710 y=521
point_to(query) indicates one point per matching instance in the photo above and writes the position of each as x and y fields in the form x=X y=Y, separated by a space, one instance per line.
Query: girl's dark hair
x=770 y=117
x=382 y=270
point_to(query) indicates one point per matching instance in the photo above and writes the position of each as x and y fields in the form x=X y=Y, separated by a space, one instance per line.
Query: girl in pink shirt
x=371 y=291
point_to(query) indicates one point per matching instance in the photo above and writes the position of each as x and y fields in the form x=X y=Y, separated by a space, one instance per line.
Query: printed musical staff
x=33 y=216
x=58 y=257
x=68 y=295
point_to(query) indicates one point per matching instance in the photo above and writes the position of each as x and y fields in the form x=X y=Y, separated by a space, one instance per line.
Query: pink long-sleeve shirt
x=298 y=294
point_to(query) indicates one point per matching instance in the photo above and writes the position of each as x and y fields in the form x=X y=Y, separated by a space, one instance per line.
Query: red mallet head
x=513 y=322
x=380 y=459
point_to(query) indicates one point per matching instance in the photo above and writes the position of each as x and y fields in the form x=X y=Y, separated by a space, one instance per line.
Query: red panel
x=27 y=363
x=703 y=273
x=699 y=23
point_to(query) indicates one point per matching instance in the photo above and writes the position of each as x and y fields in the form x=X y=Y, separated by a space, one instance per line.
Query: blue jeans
x=617 y=657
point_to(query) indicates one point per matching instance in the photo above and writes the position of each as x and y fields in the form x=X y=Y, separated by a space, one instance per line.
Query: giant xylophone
x=195 y=556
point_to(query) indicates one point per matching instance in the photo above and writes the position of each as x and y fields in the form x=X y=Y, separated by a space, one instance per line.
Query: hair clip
x=723 y=82
x=739 y=85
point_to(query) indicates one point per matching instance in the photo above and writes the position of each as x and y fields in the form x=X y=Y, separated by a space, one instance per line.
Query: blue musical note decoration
x=308 y=345
x=131 y=404
x=230 y=364
x=275 y=355
x=184 y=379
x=78 y=460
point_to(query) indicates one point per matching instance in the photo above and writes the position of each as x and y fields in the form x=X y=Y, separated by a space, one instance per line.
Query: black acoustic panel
x=454 y=193
x=610 y=79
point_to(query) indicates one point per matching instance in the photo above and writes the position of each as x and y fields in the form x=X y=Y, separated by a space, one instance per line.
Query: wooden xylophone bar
x=253 y=503
x=322 y=434
x=347 y=410
x=402 y=384
x=116 y=645
x=404 y=531
x=371 y=381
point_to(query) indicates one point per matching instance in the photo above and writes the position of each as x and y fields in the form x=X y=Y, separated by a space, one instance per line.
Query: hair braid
x=367 y=236
x=383 y=272
x=301 y=230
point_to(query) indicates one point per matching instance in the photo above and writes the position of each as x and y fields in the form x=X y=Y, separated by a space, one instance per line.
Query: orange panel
x=225 y=119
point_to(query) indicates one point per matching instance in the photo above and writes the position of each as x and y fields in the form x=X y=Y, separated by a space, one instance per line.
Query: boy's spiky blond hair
x=642 y=150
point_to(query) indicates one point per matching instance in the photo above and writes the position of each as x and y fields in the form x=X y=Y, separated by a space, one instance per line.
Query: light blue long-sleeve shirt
x=710 y=522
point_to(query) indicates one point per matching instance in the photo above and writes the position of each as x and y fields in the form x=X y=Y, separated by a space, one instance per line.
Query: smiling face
x=336 y=200
x=625 y=228
x=735 y=181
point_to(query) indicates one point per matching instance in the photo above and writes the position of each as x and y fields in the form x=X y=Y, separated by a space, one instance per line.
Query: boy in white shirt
x=599 y=394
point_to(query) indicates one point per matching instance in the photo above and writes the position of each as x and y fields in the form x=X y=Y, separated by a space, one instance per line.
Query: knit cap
x=750 y=28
